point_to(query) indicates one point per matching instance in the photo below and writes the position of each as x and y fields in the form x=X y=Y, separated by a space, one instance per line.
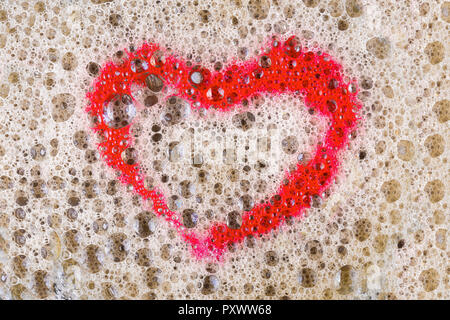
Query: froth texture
x=69 y=229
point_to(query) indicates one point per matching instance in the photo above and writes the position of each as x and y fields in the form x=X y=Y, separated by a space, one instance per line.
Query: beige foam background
x=381 y=233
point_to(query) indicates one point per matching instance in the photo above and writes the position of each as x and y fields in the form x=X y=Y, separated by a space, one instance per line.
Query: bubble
x=203 y=176
x=138 y=66
x=93 y=69
x=38 y=152
x=265 y=62
x=63 y=107
x=271 y=258
x=129 y=156
x=19 y=292
x=69 y=61
x=176 y=110
x=362 y=229
x=100 y=226
x=38 y=188
x=248 y=288
x=145 y=224
x=435 y=52
x=19 y=264
x=258 y=9
x=21 y=198
x=94 y=258
x=157 y=60
x=395 y=217
x=307 y=278
x=174 y=203
x=19 y=213
x=379 y=47
x=13 y=77
x=442 y=110
x=445 y=11
x=49 y=81
x=3 y=15
x=118 y=246
x=6 y=183
x=150 y=100
x=3 y=40
x=345 y=236
x=435 y=145
x=380 y=147
x=72 y=240
x=166 y=251
x=210 y=284
x=391 y=190
x=190 y=218
x=204 y=16
x=142 y=257
x=335 y=8
x=243 y=120
x=266 y=273
x=270 y=291
x=388 y=92
x=441 y=239
x=196 y=77
x=405 y=150
x=345 y=280
x=152 y=277
x=111 y=188
x=354 y=8
x=261 y=165
x=41 y=284
x=362 y=155
x=292 y=47
x=342 y=25
x=289 y=11
x=119 y=112
x=156 y=138
x=90 y=188
x=119 y=220
x=215 y=93
x=246 y=203
x=367 y=83
x=438 y=217
x=119 y=57
x=429 y=279
x=71 y=213
x=115 y=19
x=154 y=83
x=289 y=145
x=435 y=190
x=380 y=243
x=234 y=220
x=186 y=188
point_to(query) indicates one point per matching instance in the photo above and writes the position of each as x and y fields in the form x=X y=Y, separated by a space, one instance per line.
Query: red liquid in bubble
x=285 y=67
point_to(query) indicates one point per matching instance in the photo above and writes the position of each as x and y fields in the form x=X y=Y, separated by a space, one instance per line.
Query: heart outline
x=331 y=97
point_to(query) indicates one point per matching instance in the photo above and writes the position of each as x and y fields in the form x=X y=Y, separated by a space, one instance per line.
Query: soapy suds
x=70 y=229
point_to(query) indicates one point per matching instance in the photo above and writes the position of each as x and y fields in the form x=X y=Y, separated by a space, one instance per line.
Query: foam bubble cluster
x=285 y=67
x=69 y=229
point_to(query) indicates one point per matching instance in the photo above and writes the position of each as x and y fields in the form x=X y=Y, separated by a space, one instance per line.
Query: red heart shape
x=282 y=68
